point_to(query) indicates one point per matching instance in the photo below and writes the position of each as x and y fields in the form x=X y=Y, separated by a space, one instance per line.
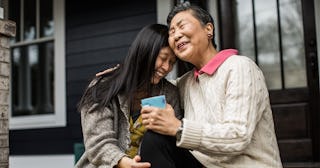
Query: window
x=271 y=33
x=38 y=67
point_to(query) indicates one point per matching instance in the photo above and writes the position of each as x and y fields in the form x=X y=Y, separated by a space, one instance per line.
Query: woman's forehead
x=182 y=16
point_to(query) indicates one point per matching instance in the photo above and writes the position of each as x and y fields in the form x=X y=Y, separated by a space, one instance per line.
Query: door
x=279 y=35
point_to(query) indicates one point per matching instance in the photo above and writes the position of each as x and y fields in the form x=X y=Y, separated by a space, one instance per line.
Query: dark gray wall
x=98 y=35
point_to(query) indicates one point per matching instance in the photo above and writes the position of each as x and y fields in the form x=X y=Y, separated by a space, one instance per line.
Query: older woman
x=228 y=119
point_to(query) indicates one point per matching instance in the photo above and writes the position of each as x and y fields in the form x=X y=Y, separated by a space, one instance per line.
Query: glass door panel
x=271 y=33
x=294 y=62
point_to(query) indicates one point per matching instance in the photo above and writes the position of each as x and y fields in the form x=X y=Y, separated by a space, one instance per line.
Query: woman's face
x=188 y=37
x=164 y=64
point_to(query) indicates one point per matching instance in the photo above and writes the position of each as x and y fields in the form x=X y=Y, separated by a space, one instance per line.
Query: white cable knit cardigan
x=228 y=119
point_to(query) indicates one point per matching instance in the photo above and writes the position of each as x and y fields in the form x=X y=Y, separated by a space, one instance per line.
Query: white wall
x=163 y=9
x=41 y=161
x=213 y=10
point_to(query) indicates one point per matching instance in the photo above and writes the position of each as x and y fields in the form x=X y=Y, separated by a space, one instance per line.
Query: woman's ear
x=209 y=28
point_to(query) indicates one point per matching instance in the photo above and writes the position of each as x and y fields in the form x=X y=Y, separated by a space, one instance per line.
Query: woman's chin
x=155 y=81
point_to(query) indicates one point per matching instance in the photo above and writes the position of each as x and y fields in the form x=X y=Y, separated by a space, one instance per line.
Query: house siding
x=98 y=36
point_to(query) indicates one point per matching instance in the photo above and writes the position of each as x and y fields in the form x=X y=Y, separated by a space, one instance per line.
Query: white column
x=213 y=10
x=163 y=9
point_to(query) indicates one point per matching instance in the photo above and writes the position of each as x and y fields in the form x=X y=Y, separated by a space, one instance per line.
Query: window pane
x=33 y=54
x=22 y=77
x=44 y=76
x=46 y=18
x=29 y=20
x=33 y=79
x=244 y=28
x=293 y=44
x=267 y=34
x=268 y=42
x=16 y=59
x=14 y=14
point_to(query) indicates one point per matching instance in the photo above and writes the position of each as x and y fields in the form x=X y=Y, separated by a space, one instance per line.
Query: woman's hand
x=126 y=162
x=107 y=70
x=162 y=121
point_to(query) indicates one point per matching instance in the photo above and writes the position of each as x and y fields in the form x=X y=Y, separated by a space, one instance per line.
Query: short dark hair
x=200 y=14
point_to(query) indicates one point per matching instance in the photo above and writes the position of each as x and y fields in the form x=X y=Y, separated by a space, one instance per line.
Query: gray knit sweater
x=106 y=131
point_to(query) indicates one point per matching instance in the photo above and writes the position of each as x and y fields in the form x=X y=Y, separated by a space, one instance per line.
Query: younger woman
x=110 y=107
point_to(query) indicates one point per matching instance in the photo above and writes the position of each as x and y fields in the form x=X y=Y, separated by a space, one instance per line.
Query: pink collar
x=215 y=62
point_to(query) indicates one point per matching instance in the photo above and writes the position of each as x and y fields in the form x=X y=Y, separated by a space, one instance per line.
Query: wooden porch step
x=302 y=165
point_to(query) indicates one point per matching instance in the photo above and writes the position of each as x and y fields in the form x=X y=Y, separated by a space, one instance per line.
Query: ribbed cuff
x=191 y=135
x=117 y=159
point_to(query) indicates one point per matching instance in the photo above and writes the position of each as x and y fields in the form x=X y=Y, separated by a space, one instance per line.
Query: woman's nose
x=166 y=66
x=177 y=35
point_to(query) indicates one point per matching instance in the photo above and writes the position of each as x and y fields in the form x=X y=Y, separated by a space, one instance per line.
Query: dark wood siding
x=98 y=35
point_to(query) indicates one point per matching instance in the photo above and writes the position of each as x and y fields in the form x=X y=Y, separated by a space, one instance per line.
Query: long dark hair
x=134 y=73
x=200 y=14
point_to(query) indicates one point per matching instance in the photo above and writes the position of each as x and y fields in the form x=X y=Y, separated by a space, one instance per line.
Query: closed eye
x=171 y=31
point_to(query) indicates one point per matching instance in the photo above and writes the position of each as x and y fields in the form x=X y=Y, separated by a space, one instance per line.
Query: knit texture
x=137 y=130
x=106 y=132
x=228 y=119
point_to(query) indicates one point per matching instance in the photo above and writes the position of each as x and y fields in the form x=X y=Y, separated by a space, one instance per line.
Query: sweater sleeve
x=99 y=137
x=245 y=99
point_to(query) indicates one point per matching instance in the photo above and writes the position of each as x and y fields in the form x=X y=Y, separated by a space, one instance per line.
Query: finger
x=145 y=110
x=144 y=116
x=104 y=72
x=168 y=105
x=141 y=165
x=154 y=128
x=99 y=74
x=137 y=158
x=148 y=109
x=108 y=70
x=150 y=121
x=145 y=122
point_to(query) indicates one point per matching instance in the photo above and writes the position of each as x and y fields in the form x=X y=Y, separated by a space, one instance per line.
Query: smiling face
x=188 y=37
x=164 y=64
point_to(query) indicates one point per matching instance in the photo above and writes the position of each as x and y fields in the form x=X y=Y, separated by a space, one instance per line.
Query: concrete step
x=302 y=165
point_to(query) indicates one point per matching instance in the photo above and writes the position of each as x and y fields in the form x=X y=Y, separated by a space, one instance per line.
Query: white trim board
x=42 y=161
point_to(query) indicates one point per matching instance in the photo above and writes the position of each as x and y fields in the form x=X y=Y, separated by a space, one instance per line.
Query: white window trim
x=41 y=161
x=58 y=119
